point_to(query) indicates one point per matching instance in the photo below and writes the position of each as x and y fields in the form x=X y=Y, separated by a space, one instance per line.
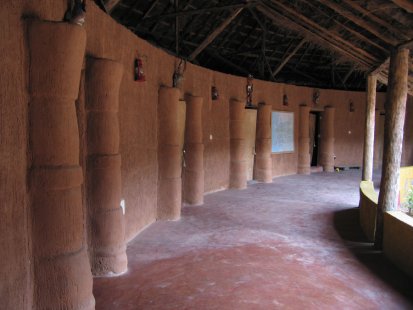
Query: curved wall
x=137 y=119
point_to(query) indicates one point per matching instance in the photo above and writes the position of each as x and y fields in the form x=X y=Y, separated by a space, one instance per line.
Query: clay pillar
x=238 y=164
x=369 y=131
x=171 y=118
x=62 y=277
x=263 y=161
x=103 y=169
x=393 y=137
x=327 y=139
x=304 y=163
x=194 y=152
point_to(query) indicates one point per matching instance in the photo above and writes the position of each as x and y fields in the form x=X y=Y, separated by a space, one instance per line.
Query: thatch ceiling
x=320 y=43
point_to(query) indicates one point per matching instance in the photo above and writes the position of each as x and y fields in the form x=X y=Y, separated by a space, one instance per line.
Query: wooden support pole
x=393 y=137
x=214 y=34
x=369 y=131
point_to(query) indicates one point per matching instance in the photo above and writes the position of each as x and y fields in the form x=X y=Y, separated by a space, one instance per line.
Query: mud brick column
x=304 y=141
x=171 y=118
x=194 y=152
x=327 y=139
x=238 y=164
x=103 y=169
x=263 y=161
x=62 y=277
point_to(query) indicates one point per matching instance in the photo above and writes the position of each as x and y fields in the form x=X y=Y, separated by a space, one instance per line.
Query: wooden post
x=369 y=131
x=393 y=137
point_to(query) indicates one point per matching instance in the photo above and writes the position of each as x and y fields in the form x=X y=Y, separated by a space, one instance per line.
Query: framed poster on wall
x=282 y=130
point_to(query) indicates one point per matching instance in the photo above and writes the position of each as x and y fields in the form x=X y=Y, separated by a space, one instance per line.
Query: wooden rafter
x=358 y=21
x=281 y=19
x=211 y=37
x=287 y=57
x=407 y=44
x=149 y=10
x=374 y=18
x=217 y=56
x=156 y=24
x=200 y=11
x=315 y=27
x=354 y=33
x=187 y=28
x=111 y=4
x=405 y=4
x=347 y=76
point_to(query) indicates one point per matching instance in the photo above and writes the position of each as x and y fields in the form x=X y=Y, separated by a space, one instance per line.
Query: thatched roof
x=321 y=43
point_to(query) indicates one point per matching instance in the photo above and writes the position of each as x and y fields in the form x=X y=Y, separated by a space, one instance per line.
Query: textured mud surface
x=294 y=243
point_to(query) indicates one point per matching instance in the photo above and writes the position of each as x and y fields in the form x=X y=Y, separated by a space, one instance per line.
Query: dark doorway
x=314 y=137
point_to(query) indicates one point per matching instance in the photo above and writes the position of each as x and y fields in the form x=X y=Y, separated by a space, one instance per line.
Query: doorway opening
x=315 y=118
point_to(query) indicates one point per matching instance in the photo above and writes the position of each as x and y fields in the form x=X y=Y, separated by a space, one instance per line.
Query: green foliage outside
x=409 y=200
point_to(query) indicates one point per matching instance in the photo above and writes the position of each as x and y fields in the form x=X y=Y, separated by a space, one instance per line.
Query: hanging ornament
x=139 y=75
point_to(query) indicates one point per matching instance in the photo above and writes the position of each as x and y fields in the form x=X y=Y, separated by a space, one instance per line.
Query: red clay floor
x=292 y=244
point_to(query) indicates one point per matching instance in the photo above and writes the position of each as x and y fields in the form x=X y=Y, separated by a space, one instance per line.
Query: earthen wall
x=138 y=122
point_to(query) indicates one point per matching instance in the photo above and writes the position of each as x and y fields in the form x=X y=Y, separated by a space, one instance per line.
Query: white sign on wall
x=282 y=130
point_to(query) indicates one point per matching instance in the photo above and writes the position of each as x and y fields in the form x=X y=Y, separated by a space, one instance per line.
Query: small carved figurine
x=178 y=75
x=250 y=88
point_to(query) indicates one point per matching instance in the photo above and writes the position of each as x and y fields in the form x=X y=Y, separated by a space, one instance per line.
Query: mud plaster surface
x=265 y=247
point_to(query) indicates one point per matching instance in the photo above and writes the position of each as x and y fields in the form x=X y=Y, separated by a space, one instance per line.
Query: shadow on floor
x=347 y=225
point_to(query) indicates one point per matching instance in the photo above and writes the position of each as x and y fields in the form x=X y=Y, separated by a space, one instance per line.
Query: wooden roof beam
x=335 y=40
x=215 y=55
x=148 y=11
x=404 y=4
x=279 y=18
x=374 y=18
x=287 y=57
x=348 y=29
x=358 y=21
x=323 y=32
x=201 y=11
x=111 y=4
x=211 y=37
